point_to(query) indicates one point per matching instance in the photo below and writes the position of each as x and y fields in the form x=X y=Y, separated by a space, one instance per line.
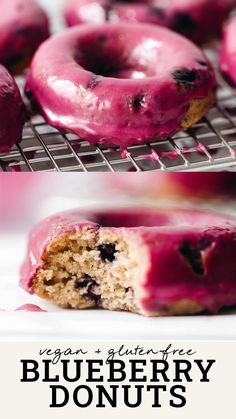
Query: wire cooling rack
x=208 y=145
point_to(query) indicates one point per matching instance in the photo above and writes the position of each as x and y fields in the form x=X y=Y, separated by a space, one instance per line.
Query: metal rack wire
x=208 y=145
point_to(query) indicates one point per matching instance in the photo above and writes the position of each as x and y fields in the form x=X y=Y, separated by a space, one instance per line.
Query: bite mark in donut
x=154 y=262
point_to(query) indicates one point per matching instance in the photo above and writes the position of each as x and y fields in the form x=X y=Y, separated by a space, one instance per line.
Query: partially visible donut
x=228 y=51
x=152 y=262
x=23 y=27
x=191 y=185
x=12 y=112
x=122 y=84
x=196 y=19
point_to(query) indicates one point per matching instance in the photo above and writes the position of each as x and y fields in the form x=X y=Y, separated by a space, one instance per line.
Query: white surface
x=89 y=324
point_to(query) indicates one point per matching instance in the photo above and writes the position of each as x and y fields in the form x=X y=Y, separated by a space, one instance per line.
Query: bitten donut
x=228 y=51
x=199 y=20
x=148 y=261
x=12 y=111
x=121 y=84
x=23 y=26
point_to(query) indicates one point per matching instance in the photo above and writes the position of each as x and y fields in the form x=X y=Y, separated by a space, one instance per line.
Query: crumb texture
x=86 y=269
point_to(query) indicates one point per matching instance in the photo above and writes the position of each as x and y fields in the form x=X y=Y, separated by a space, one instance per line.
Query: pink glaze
x=228 y=51
x=12 y=112
x=30 y=307
x=169 y=275
x=23 y=26
x=121 y=84
x=196 y=19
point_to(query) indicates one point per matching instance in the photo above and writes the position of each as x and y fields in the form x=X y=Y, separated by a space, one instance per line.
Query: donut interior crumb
x=88 y=268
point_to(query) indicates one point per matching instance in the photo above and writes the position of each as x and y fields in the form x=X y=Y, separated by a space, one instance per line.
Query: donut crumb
x=89 y=268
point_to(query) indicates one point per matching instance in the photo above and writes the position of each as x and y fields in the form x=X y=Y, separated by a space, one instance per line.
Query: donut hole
x=109 y=57
x=148 y=218
x=130 y=219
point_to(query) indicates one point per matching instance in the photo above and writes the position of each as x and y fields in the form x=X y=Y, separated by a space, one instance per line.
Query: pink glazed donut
x=23 y=26
x=159 y=185
x=228 y=51
x=12 y=112
x=121 y=84
x=148 y=261
x=196 y=19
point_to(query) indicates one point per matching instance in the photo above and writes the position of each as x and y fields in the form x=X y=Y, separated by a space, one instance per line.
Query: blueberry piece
x=91 y=293
x=185 y=76
x=202 y=63
x=102 y=38
x=138 y=102
x=107 y=9
x=15 y=60
x=157 y=11
x=204 y=243
x=65 y=280
x=93 y=82
x=49 y=283
x=192 y=254
x=183 y=23
x=90 y=284
x=107 y=251
x=84 y=281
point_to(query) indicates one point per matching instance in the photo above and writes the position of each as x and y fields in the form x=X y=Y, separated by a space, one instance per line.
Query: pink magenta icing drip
x=155 y=156
x=170 y=276
x=23 y=26
x=197 y=19
x=228 y=51
x=12 y=112
x=64 y=81
x=124 y=154
x=30 y=307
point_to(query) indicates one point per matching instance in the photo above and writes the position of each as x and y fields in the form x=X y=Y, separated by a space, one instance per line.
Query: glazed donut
x=121 y=84
x=228 y=51
x=191 y=185
x=23 y=26
x=148 y=261
x=196 y=19
x=11 y=110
